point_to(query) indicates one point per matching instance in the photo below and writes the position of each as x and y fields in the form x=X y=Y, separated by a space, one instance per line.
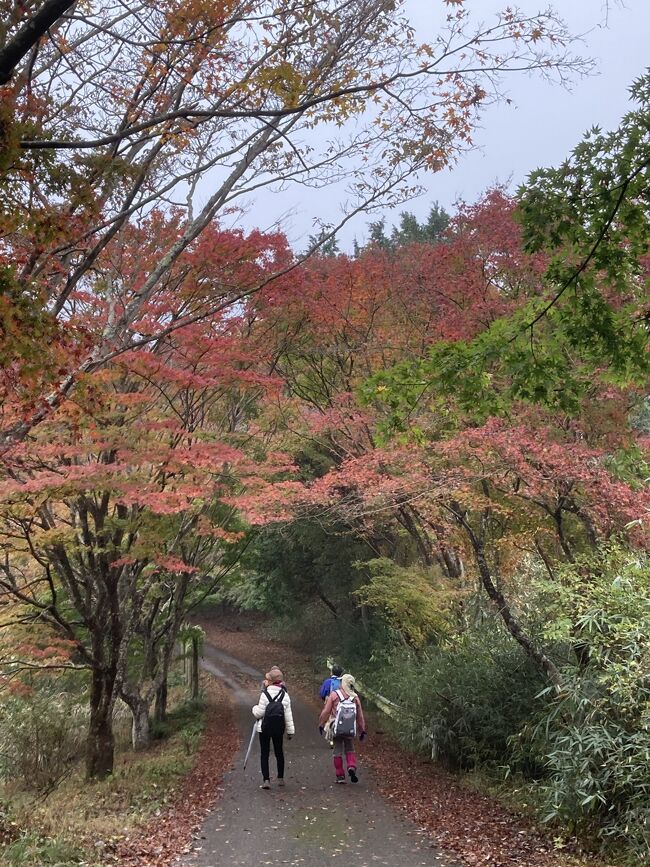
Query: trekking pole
x=250 y=744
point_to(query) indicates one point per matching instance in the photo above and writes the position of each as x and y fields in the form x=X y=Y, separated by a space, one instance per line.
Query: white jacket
x=260 y=707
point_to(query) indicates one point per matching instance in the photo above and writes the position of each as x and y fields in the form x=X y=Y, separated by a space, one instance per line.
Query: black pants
x=265 y=749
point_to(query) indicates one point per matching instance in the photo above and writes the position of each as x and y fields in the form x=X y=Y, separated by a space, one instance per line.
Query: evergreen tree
x=410 y=230
x=322 y=244
x=377 y=235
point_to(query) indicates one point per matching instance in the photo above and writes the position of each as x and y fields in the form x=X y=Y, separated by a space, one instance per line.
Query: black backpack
x=273 y=720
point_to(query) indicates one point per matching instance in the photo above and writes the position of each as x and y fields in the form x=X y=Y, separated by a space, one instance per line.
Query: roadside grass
x=81 y=822
x=31 y=848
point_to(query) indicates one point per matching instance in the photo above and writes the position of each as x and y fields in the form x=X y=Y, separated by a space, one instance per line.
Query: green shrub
x=188 y=719
x=41 y=734
x=413 y=602
x=595 y=736
x=598 y=780
x=465 y=702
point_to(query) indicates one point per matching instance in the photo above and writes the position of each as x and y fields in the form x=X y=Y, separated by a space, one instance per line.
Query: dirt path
x=312 y=820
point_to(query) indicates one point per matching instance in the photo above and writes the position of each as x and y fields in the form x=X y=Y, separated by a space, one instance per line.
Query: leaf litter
x=161 y=841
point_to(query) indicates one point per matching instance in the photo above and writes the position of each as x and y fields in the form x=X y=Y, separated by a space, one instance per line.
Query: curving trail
x=312 y=822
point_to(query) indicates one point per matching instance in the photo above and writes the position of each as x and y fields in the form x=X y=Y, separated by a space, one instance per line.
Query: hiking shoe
x=340 y=779
x=280 y=781
x=353 y=775
x=266 y=784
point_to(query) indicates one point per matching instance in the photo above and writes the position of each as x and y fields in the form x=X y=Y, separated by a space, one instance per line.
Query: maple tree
x=471 y=493
x=114 y=515
x=496 y=497
x=117 y=110
x=592 y=216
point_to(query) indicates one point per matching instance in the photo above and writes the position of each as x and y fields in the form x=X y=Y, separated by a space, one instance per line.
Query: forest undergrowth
x=145 y=813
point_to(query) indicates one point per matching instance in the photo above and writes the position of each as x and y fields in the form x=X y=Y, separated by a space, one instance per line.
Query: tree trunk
x=421 y=541
x=100 y=743
x=564 y=544
x=141 y=727
x=160 y=708
x=327 y=603
x=364 y=619
x=195 y=668
x=535 y=653
x=538 y=656
x=452 y=563
x=140 y=719
x=448 y=558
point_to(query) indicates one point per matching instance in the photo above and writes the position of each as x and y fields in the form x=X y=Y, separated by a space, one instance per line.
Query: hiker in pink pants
x=343 y=719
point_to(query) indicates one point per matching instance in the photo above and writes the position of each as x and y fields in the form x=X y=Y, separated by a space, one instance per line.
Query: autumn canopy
x=439 y=439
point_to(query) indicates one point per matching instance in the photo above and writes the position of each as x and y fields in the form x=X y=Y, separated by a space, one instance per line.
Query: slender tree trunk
x=364 y=618
x=187 y=661
x=512 y=625
x=184 y=658
x=100 y=743
x=580 y=648
x=448 y=558
x=538 y=656
x=421 y=541
x=545 y=559
x=195 y=668
x=160 y=708
x=140 y=707
x=328 y=604
x=564 y=544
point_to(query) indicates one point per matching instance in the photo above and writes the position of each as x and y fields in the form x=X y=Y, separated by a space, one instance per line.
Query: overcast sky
x=539 y=129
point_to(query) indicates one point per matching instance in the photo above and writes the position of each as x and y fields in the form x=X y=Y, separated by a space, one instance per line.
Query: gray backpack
x=345 y=721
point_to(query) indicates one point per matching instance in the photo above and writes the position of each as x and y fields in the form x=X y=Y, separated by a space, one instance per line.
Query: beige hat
x=274 y=675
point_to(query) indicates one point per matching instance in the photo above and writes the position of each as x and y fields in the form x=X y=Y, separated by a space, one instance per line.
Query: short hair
x=337 y=670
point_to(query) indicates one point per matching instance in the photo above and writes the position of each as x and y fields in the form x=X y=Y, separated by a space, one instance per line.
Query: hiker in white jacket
x=273 y=712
